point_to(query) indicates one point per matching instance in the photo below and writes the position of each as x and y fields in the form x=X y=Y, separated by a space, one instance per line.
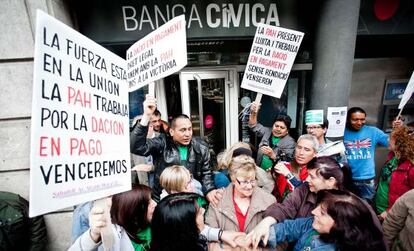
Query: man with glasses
x=327 y=147
x=319 y=131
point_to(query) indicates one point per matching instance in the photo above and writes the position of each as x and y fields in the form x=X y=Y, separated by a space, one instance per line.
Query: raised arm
x=139 y=144
x=253 y=114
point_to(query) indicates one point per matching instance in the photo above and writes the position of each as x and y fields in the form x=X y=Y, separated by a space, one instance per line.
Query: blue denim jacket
x=299 y=230
x=80 y=220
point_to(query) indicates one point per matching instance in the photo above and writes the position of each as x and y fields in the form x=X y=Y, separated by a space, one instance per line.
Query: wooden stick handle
x=258 y=97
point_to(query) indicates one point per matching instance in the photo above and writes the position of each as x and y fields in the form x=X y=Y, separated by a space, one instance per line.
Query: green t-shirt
x=145 y=237
x=183 y=155
x=381 y=198
x=266 y=161
x=183 y=152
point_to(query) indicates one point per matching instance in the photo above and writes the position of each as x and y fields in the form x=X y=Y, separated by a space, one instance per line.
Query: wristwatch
x=289 y=176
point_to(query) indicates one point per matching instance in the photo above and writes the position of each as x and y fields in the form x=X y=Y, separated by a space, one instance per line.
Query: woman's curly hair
x=404 y=143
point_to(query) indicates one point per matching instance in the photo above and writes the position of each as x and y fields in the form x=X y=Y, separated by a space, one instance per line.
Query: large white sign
x=271 y=58
x=407 y=93
x=80 y=131
x=157 y=55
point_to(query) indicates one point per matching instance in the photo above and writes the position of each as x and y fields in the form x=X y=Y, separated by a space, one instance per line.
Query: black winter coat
x=165 y=153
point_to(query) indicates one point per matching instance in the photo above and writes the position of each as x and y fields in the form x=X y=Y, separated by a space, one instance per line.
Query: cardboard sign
x=271 y=58
x=157 y=55
x=407 y=93
x=79 y=127
x=314 y=117
x=337 y=121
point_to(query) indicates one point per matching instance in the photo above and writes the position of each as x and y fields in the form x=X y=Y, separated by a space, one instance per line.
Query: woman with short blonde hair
x=243 y=204
x=175 y=179
x=242 y=166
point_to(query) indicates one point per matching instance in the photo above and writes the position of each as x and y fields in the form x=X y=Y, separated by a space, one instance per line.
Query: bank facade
x=219 y=38
x=354 y=53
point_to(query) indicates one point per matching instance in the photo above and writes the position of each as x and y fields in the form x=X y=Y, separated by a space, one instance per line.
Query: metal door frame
x=231 y=90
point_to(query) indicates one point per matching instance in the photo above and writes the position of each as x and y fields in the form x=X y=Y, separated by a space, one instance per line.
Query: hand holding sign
x=255 y=107
x=271 y=58
x=150 y=105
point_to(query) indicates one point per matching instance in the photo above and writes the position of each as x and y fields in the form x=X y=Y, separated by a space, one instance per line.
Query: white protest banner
x=271 y=58
x=157 y=55
x=407 y=93
x=314 y=117
x=79 y=127
x=337 y=120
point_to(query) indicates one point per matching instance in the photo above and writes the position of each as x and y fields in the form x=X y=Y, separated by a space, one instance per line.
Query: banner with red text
x=157 y=55
x=79 y=127
x=270 y=60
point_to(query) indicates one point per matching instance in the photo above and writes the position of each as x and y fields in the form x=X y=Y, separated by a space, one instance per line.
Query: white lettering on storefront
x=228 y=15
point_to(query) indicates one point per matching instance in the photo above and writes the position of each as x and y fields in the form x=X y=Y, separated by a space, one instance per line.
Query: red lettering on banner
x=82 y=147
x=76 y=96
x=54 y=146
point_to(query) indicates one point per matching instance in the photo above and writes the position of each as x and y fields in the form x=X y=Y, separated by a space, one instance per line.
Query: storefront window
x=289 y=103
x=209 y=117
x=173 y=97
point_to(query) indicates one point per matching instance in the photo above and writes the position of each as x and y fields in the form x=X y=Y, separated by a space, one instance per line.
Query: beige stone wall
x=367 y=89
x=18 y=19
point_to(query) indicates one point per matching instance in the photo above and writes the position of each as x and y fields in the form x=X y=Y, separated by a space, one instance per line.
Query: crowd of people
x=279 y=195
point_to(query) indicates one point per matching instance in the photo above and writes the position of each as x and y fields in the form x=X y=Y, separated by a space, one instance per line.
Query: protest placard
x=314 y=117
x=336 y=117
x=270 y=60
x=157 y=55
x=407 y=93
x=79 y=127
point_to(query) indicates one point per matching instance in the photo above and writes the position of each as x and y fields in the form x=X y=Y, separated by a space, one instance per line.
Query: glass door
x=206 y=98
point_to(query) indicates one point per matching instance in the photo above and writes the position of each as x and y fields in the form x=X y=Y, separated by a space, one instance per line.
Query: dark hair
x=242 y=151
x=354 y=227
x=351 y=111
x=325 y=124
x=328 y=167
x=283 y=118
x=157 y=113
x=181 y=116
x=129 y=210
x=174 y=224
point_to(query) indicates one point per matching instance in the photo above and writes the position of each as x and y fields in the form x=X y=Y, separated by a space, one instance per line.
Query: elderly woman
x=291 y=175
x=397 y=175
x=222 y=179
x=243 y=203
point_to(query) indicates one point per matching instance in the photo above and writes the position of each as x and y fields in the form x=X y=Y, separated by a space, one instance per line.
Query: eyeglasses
x=190 y=181
x=313 y=127
x=246 y=182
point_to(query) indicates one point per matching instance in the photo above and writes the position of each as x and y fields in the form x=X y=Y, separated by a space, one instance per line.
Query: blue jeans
x=365 y=189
